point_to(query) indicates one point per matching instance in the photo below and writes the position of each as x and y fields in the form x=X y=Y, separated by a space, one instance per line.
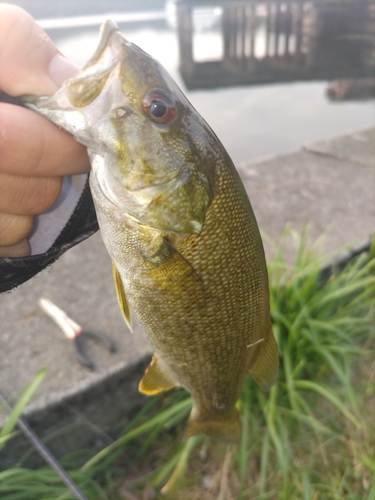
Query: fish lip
x=107 y=30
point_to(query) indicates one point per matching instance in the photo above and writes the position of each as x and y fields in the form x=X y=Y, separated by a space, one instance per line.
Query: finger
x=22 y=195
x=32 y=61
x=14 y=228
x=33 y=65
x=31 y=145
x=21 y=249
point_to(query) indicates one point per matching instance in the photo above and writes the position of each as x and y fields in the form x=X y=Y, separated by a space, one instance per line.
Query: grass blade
x=21 y=403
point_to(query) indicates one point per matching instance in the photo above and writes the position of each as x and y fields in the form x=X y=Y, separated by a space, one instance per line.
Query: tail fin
x=228 y=431
x=265 y=368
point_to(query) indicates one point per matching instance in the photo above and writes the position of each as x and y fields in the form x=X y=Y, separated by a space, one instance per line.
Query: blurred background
x=267 y=76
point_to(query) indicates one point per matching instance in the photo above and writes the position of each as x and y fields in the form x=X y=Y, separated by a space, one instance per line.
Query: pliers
x=74 y=332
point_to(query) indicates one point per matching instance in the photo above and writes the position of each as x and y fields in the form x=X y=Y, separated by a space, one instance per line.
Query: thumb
x=30 y=63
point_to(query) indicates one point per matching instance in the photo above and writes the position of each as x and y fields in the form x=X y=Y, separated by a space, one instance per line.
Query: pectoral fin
x=170 y=269
x=156 y=379
x=265 y=367
x=121 y=297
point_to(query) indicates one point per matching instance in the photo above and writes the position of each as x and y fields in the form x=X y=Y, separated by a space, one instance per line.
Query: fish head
x=153 y=157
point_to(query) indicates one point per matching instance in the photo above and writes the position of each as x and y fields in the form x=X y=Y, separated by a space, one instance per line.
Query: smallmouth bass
x=188 y=260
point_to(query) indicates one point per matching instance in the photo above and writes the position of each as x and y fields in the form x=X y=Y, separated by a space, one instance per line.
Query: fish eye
x=159 y=107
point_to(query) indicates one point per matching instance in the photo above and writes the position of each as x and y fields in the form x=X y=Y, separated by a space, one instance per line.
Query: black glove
x=81 y=225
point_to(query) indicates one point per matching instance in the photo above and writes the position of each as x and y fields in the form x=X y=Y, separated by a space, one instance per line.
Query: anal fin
x=265 y=367
x=121 y=297
x=156 y=379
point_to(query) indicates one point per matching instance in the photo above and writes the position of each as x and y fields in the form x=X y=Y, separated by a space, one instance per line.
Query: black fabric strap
x=81 y=225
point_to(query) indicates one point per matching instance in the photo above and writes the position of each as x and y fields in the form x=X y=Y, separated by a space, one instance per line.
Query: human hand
x=34 y=153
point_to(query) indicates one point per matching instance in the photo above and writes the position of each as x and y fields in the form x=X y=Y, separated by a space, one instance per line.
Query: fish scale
x=188 y=260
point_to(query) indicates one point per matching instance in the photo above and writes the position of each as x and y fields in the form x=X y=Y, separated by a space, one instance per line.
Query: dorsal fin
x=156 y=379
x=121 y=297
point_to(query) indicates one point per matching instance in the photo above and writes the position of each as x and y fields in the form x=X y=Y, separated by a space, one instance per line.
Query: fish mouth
x=108 y=30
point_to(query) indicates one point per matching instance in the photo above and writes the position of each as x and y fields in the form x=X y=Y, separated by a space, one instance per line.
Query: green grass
x=6 y=432
x=311 y=437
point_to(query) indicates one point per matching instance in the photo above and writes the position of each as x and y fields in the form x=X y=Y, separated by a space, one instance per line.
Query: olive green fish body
x=202 y=301
x=188 y=260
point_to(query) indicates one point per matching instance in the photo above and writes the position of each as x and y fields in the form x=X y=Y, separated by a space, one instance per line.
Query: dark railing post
x=185 y=32
x=297 y=28
x=226 y=32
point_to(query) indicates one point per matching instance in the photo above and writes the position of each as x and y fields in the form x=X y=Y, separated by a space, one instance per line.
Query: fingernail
x=60 y=69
